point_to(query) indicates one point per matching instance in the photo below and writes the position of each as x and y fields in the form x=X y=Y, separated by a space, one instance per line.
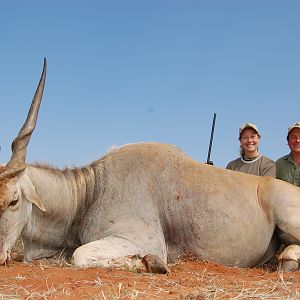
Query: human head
x=249 y=137
x=293 y=137
x=295 y=125
x=248 y=125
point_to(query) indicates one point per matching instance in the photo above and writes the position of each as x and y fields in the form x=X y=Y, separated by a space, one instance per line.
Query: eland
x=142 y=206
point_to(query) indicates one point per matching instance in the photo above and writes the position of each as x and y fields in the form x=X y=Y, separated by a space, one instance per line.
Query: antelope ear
x=30 y=194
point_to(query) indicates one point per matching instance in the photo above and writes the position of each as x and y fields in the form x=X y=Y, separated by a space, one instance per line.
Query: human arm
x=268 y=168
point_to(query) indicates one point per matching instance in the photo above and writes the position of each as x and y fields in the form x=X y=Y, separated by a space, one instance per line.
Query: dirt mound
x=190 y=279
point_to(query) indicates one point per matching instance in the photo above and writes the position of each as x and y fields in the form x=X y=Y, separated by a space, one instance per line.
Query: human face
x=294 y=140
x=249 y=142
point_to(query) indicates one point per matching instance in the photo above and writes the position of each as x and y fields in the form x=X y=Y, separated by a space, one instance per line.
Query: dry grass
x=264 y=289
x=186 y=281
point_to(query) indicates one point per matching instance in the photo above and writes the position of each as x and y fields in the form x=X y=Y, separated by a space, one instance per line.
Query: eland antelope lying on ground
x=142 y=206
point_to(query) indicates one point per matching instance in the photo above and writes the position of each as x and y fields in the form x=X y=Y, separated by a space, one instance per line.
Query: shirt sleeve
x=278 y=170
x=269 y=169
x=229 y=166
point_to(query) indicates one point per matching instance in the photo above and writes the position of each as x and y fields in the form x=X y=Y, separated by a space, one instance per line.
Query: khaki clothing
x=261 y=166
x=287 y=170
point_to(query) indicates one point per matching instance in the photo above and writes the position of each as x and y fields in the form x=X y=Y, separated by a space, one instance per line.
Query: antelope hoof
x=154 y=264
x=288 y=265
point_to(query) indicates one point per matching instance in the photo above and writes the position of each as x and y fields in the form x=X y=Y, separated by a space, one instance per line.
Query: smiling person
x=251 y=161
x=288 y=166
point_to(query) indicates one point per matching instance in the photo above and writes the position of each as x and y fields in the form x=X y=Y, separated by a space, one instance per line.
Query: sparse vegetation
x=189 y=279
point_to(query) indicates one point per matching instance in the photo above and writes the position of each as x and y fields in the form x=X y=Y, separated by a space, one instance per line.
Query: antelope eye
x=15 y=200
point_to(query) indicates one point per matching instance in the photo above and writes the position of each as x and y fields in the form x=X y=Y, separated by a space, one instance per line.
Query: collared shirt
x=287 y=170
x=261 y=166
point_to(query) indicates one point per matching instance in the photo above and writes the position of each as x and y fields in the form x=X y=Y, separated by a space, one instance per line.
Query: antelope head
x=16 y=199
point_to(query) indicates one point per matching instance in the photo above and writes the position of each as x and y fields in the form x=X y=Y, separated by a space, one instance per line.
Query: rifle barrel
x=208 y=161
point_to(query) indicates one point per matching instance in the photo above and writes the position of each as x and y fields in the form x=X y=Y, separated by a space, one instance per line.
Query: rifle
x=208 y=161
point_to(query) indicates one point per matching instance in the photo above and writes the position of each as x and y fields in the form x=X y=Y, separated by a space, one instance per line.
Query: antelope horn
x=19 y=145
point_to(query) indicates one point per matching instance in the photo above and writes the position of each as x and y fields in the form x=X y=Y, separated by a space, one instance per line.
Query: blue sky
x=129 y=71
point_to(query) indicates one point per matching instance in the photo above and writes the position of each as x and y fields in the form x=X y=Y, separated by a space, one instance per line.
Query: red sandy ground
x=188 y=279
